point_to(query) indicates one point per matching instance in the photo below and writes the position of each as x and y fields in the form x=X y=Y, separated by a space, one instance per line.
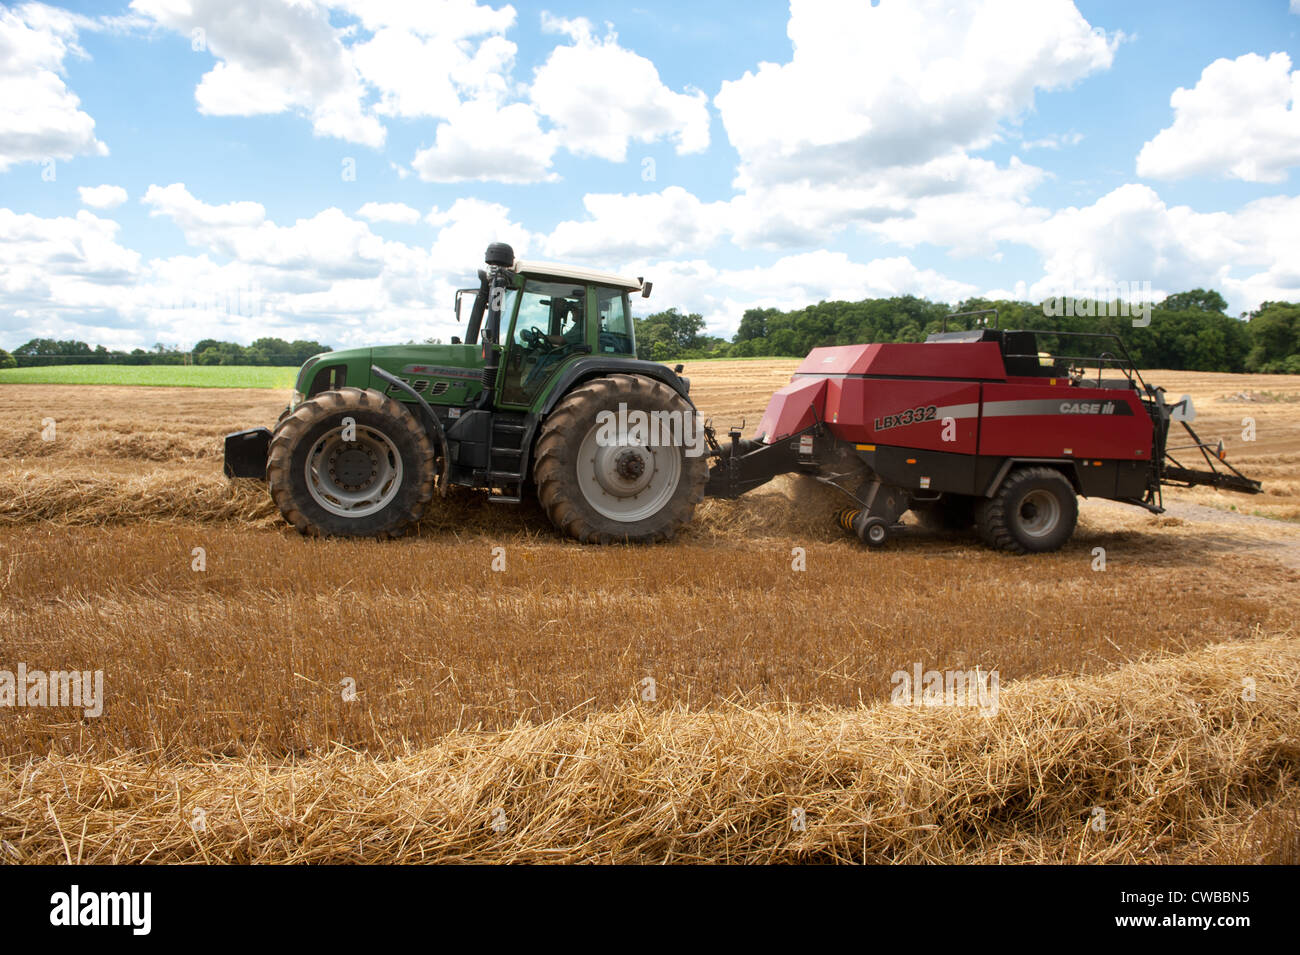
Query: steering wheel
x=535 y=339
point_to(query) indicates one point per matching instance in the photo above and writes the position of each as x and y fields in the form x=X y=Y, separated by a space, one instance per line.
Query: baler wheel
x=600 y=491
x=1034 y=511
x=351 y=463
x=875 y=532
x=872 y=531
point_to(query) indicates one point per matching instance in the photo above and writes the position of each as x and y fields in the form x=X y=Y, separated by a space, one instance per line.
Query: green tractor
x=535 y=399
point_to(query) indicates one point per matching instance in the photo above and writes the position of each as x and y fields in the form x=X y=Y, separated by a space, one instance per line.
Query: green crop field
x=184 y=376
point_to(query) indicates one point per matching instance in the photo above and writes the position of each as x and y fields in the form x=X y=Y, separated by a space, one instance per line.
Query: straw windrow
x=1159 y=761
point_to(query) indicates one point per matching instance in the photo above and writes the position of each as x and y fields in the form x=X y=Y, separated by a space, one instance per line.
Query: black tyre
x=875 y=532
x=1034 y=511
x=598 y=490
x=952 y=512
x=376 y=484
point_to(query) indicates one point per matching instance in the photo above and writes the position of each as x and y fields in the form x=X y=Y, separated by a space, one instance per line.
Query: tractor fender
x=1065 y=465
x=585 y=369
x=431 y=423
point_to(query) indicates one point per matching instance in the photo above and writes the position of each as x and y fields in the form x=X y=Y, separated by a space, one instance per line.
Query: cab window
x=550 y=325
x=615 y=323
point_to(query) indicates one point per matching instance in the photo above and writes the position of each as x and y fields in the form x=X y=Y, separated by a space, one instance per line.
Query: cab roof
x=577 y=274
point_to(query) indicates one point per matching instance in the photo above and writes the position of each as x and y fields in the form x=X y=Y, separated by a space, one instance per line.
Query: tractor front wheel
x=606 y=471
x=351 y=463
x=1034 y=511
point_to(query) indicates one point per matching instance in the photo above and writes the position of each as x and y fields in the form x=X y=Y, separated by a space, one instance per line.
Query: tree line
x=209 y=351
x=1187 y=331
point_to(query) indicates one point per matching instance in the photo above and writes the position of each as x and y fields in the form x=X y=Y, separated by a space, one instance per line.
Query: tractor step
x=506 y=480
x=505 y=461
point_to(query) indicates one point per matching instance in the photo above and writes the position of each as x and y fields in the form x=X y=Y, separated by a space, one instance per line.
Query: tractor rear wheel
x=600 y=483
x=351 y=463
x=1034 y=511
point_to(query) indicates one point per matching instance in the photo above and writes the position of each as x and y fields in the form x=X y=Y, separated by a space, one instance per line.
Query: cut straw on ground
x=1175 y=760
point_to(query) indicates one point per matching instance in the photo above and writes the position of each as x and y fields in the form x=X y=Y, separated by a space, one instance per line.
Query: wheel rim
x=876 y=533
x=354 y=478
x=627 y=482
x=1040 y=512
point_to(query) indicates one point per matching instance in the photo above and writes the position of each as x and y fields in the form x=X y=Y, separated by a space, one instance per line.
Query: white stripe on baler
x=958 y=411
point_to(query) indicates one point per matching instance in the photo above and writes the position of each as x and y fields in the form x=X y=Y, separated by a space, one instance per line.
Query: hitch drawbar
x=744 y=464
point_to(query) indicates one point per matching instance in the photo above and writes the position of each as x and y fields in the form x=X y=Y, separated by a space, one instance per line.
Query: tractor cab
x=548 y=314
x=552 y=313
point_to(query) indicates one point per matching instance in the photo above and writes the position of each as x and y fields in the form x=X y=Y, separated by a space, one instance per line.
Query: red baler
x=978 y=426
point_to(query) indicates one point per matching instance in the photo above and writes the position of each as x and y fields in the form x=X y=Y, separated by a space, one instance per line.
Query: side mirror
x=645 y=289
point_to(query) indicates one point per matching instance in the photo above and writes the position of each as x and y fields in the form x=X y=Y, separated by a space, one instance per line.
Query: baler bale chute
x=979 y=427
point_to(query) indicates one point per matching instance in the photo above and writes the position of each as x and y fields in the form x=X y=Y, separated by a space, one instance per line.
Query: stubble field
x=402 y=701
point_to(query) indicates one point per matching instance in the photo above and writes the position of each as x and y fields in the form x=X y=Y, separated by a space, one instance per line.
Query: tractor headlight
x=296 y=400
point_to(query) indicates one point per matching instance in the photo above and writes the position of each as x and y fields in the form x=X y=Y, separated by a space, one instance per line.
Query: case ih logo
x=1053 y=406
x=1087 y=407
x=910 y=416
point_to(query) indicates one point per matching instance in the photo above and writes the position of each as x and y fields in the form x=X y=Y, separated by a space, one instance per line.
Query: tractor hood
x=434 y=362
x=405 y=361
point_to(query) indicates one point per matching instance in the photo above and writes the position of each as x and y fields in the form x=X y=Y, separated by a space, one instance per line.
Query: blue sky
x=160 y=161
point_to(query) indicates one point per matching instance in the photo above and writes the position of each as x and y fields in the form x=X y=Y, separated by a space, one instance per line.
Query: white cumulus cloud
x=669 y=223
x=1241 y=121
x=601 y=96
x=485 y=142
x=872 y=86
x=873 y=120
x=102 y=197
x=398 y=212
x=1131 y=235
x=272 y=56
x=40 y=118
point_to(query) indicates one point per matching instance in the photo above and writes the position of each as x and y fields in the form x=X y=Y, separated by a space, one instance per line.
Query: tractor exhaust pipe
x=500 y=259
